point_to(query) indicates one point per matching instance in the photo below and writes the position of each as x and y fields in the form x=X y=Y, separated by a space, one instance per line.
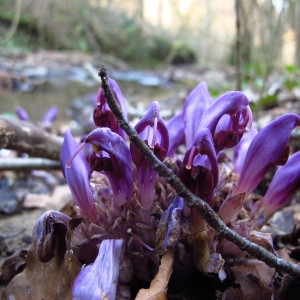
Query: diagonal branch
x=191 y=200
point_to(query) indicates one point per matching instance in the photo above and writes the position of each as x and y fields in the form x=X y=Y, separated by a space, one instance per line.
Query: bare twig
x=28 y=163
x=191 y=200
x=27 y=138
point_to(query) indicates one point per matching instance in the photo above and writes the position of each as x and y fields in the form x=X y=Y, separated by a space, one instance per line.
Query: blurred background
x=162 y=44
x=145 y=32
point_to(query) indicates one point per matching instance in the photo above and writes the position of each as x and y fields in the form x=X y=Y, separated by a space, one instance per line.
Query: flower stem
x=192 y=200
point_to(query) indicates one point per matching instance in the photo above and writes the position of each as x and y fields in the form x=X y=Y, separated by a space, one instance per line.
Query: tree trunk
x=297 y=30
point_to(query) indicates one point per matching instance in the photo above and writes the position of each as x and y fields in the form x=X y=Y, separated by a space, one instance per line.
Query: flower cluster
x=124 y=206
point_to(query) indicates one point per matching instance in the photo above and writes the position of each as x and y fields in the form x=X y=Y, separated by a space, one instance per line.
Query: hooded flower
x=48 y=233
x=241 y=148
x=268 y=149
x=78 y=175
x=199 y=169
x=194 y=106
x=183 y=127
x=153 y=131
x=175 y=128
x=103 y=116
x=283 y=186
x=99 y=280
x=227 y=118
x=112 y=157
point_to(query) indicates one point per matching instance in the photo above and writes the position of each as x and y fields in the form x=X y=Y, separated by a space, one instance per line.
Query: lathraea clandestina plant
x=126 y=216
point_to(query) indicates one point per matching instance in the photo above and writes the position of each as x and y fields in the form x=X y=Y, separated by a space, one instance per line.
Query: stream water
x=59 y=79
x=138 y=89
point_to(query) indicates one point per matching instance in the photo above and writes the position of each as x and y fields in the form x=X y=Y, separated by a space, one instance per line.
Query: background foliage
x=147 y=33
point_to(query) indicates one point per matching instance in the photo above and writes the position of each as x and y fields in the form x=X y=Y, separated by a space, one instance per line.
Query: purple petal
x=113 y=158
x=100 y=279
x=283 y=186
x=199 y=169
x=50 y=116
x=268 y=149
x=195 y=105
x=175 y=128
x=22 y=114
x=241 y=148
x=78 y=176
x=153 y=131
x=103 y=116
x=146 y=178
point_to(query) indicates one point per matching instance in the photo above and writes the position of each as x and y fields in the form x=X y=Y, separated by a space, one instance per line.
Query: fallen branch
x=28 y=163
x=28 y=138
x=192 y=200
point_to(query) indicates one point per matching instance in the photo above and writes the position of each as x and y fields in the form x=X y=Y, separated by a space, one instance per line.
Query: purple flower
x=183 y=126
x=241 y=148
x=268 y=149
x=227 y=130
x=153 y=131
x=78 y=175
x=283 y=186
x=103 y=116
x=199 y=169
x=175 y=128
x=99 y=280
x=112 y=157
x=22 y=114
x=194 y=106
x=169 y=228
x=49 y=117
x=51 y=226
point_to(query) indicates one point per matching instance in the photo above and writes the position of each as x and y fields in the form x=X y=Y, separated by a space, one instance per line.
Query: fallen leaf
x=12 y=266
x=263 y=239
x=51 y=280
x=158 y=286
x=254 y=278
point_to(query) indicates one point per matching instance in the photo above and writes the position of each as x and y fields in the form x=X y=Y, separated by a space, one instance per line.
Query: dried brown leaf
x=254 y=278
x=230 y=208
x=158 y=286
x=263 y=239
x=51 y=280
x=12 y=266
